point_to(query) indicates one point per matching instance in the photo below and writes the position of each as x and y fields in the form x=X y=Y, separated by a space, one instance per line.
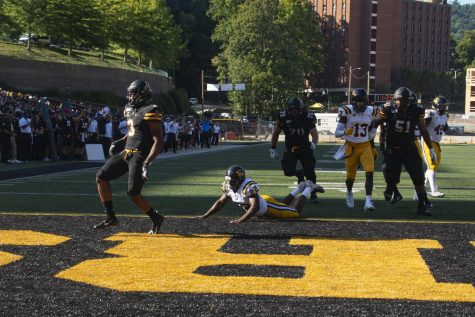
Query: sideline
x=63 y=167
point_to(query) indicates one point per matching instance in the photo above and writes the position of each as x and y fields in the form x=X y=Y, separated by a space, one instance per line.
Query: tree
x=463 y=19
x=76 y=22
x=270 y=45
x=28 y=14
x=196 y=28
x=466 y=49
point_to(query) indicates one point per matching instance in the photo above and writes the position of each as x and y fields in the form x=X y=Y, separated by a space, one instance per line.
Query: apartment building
x=380 y=37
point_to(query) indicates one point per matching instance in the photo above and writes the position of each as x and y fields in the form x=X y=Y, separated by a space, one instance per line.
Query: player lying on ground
x=244 y=191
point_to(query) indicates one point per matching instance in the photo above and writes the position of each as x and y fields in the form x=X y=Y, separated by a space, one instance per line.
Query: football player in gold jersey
x=245 y=192
x=355 y=127
x=436 y=123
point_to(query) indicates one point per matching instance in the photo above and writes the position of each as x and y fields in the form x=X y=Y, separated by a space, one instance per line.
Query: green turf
x=187 y=186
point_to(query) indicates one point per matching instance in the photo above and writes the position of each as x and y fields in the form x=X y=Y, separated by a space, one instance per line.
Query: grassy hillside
x=60 y=55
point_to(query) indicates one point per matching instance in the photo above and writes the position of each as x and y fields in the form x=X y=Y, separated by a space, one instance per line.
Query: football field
x=332 y=261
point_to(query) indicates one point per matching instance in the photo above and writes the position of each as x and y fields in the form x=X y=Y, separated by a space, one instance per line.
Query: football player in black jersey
x=143 y=143
x=297 y=124
x=401 y=118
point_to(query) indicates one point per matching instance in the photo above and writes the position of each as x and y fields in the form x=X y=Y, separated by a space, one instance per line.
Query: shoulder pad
x=152 y=113
x=282 y=114
x=311 y=116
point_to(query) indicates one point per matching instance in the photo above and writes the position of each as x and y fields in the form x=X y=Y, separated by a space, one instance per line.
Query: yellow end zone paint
x=384 y=269
x=25 y=237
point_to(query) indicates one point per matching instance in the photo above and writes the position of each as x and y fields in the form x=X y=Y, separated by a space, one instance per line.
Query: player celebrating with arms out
x=244 y=191
x=355 y=126
x=142 y=144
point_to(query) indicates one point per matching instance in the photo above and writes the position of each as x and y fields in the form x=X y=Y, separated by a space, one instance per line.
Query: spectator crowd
x=27 y=133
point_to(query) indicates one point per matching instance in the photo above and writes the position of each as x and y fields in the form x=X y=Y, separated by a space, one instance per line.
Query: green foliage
x=74 y=22
x=145 y=27
x=431 y=84
x=463 y=19
x=269 y=45
x=196 y=28
x=27 y=15
x=466 y=49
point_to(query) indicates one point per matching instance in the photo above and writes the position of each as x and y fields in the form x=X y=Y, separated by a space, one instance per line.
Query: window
x=373 y=33
x=374 y=8
x=373 y=46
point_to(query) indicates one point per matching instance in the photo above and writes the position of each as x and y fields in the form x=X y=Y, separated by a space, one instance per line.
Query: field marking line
x=312 y=219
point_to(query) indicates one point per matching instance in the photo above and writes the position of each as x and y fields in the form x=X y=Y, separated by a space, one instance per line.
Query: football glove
x=145 y=167
x=273 y=154
x=433 y=156
x=117 y=147
x=313 y=146
x=111 y=149
x=349 y=131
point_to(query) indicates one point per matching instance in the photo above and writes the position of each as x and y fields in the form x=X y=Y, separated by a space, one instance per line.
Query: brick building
x=380 y=37
x=470 y=92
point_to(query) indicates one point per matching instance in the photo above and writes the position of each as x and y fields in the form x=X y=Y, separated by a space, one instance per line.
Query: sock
x=368 y=198
x=153 y=214
x=307 y=191
x=295 y=192
x=109 y=208
x=430 y=174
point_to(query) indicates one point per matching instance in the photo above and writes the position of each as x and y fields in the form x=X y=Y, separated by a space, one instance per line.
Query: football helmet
x=139 y=93
x=402 y=94
x=234 y=177
x=441 y=104
x=295 y=103
x=359 y=98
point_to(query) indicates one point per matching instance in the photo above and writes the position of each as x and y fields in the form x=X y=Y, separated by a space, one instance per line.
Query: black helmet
x=139 y=93
x=295 y=103
x=359 y=95
x=441 y=104
x=235 y=175
x=359 y=98
x=402 y=94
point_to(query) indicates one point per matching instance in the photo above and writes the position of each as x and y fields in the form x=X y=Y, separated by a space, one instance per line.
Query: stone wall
x=32 y=75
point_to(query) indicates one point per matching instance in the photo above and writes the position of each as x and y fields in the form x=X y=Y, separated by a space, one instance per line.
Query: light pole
x=455 y=72
x=349 y=81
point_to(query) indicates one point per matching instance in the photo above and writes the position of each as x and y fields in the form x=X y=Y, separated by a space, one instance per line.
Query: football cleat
x=388 y=194
x=436 y=194
x=349 y=200
x=313 y=197
x=369 y=206
x=108 y=222
x=396 y=197
x=423 y=210
x=314 y=187
x=157 y=223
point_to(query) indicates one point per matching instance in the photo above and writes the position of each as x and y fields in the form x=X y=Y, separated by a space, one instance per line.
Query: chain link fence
x=236 y=129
